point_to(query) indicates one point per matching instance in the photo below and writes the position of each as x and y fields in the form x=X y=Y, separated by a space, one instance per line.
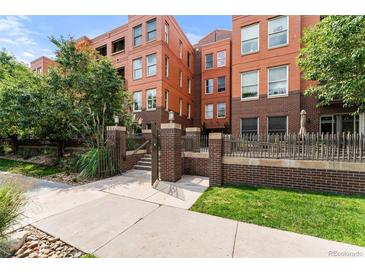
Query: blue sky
x=27 y=36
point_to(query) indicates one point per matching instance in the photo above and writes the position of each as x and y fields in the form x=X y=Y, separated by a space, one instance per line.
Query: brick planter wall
x=195 y=165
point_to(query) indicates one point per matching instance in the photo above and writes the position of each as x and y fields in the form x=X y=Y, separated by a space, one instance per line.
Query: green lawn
x=28 y=169
x=333 y=217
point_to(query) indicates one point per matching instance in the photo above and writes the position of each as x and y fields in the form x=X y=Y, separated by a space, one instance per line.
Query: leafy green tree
x=334 y=56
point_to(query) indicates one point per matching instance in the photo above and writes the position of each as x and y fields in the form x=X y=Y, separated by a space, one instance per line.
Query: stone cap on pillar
x=170 y=126
x=116 y=128
x=146 y=130
x=192 y=129
x=215 y=135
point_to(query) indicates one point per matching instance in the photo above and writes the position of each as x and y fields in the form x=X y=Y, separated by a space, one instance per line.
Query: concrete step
x=145 y=162
x=139 y=167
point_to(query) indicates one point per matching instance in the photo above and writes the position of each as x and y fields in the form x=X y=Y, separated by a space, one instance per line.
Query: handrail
x=140 y=147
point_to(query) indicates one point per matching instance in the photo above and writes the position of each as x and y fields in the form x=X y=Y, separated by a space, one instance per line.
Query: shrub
x=12 y=200
x=95 y=162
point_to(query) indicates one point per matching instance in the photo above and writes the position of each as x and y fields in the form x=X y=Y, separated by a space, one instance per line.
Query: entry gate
x=155 y=147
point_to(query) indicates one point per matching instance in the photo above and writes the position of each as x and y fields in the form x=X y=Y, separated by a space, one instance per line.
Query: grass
x=88 y=255
x=328 y=216
x=27 y=169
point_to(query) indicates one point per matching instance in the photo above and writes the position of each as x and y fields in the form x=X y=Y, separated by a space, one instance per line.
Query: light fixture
x=116 y=120
x=171 y=116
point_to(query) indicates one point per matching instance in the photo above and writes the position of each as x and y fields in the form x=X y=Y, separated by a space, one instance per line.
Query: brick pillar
x=117 y=135
x=170 y=152
x=215 y=159
x=194 y=134
x=147 y=135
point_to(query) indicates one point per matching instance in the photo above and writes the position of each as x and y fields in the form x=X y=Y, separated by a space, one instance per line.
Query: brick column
x=194 y=134
x=147 y=135
x=170 y=152
x=117 y=135
x=215 y=159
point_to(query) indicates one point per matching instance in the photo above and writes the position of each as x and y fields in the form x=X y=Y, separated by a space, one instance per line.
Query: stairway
x=145 y=163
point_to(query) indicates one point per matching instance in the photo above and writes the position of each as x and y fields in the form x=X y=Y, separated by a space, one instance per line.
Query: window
x=166 y=66
x=249 y=126
x=137 y=101
x=180 y=49
x=278 y=32
x=250 y=39
x=180 y=79
x=189 y=111
x=221 y=110
x=221 y=83
x=39 y=70
x=118 y=45
x=209 y=61
x=166 y=100
x=151 y=30
x=278 y=81
x=102 y=50
x=137 y=69
x=340 y=123
x=209 y=85
x=167 y=28
x=277 y=125
x=209 y=111
x=189 y=86
x=137 y=35
x=151 y=99
x=151 y=65
x=121 y=72
x=250 y=84
x=221 y=58
x=180 y=107
x=189 y=59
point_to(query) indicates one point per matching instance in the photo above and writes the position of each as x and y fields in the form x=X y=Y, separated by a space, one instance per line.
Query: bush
x=5 y=149
x=95 y=162
x=12 y=200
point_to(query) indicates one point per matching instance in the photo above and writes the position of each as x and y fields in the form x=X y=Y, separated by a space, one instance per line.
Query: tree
x=334 y=56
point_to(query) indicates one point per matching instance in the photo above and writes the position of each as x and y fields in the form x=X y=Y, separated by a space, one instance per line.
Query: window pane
x=137 y=68
x=278 y=31
x=221 y=110
x=151 y=25
x=118 y=45
x=151 y=64
x=209 y=111
x=326 y=124
x=277 y=88
x=208 y=61
x=209 y=83
x=221 y=58
x=249 y=82
x=249 y=38
x=278 y=80
x=248 y=126
x=250 y=32
x=137 y=35
x=278 y=39
x=278 y=24
x=250 y=46
x=137 y=101
x=277 y=125
x=221 y=83
x=151 y=99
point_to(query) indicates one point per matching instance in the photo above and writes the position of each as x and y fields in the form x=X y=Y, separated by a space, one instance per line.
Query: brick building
x=42 y=64
x=246 y=80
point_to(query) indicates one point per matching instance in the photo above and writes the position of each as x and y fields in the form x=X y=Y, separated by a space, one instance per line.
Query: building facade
x=242 y=81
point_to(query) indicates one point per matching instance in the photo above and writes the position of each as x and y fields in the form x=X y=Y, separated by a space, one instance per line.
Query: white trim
x=258 y=85
x=167 y=66
x=180 y=107
x=268 y=34
x=225 y=59
x=268 y=82
x=139 y=58
x=205 y=90
x=258 y=40
x=147 y=108
x=205 y=111
x=166 y=101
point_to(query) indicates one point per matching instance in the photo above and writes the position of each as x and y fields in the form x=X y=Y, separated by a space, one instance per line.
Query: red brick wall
x=131 y=160
x=196 y=166
x=346 y=182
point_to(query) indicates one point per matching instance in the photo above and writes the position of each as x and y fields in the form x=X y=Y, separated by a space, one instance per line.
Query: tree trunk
x=60 y=148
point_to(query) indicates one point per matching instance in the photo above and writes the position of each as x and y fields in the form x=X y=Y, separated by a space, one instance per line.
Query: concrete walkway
x=125 y=217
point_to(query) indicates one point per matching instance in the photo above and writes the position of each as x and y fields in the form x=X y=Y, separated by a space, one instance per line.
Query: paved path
x=125 y=217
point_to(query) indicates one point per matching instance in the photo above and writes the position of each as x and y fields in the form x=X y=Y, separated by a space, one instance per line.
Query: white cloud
x=193 y=37
x=7 y=41
x=28 y=54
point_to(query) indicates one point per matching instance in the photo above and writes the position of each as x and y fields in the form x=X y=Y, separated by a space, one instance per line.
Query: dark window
x=221 y=83
x=118 y=45
x=209 y=61
x=326 y=124
x=151 y=30
x=137 y=35
x=189 y=62
x=249 y=126
x=121 y=72
x=102 y=50
x=277 y=125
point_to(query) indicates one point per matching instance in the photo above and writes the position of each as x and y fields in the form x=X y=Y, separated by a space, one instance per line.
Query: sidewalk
x=125 y=217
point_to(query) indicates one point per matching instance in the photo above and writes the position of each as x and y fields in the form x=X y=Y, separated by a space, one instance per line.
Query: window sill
x=117 y=52
x=221 y=117
x=277 y=96
x=278 y=46
x=221 y=91
x=249 y=53
x=151 y=109
x=149 y=76
x=137 y=110
x=249 y=99
x=208 y=93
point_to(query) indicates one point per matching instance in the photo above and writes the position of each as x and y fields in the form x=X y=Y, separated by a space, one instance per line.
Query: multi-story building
x=41 y=64
x=246 y=80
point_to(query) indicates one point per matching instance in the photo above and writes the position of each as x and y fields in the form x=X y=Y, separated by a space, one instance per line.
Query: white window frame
x=287 y=82
x=189 y=59
x=189 y=111
x=287 y=32
x=258 y=85
x=180 y=79
x=167 y=30
x=155 y=30
x=180 y=49
x=205 y=111
x=225 y=83
x=180 y=107
x=258 y=39
x=167 y=66
x=140 y=96
x=147 y=92
x=205 y=61
x=225 y=58
x=151 y=65
x=225 y=110
x=189 y=85
x=287 y=122
x=258 y=124
x=166 y=100
x=134 y=69
x=207 y=86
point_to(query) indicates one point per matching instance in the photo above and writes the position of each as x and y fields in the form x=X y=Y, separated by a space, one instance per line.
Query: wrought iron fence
x=312 y=146
x=186 y=143
x=204 y=143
